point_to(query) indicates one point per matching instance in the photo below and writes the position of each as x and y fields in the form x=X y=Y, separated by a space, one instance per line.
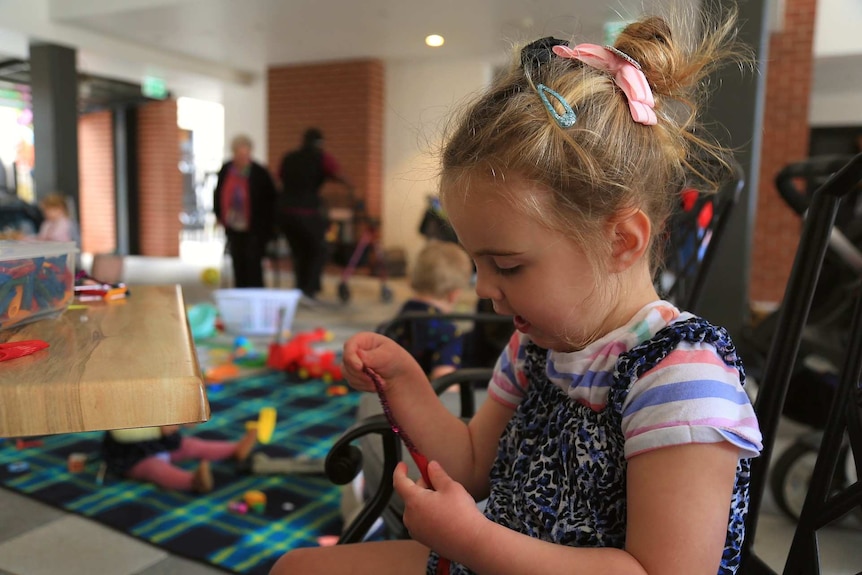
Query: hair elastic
x=565 y=120
x=538 y=53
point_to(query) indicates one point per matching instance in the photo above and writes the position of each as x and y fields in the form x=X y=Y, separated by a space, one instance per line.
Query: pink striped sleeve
x=508 y=385
x=692 y=396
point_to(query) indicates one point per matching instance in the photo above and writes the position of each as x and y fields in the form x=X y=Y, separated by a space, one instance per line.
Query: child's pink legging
x=157 y=470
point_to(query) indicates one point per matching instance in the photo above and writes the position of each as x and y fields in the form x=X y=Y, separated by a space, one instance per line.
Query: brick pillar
x=160 y=182
x=785 y=140
x=97 y=207
x=344 y=100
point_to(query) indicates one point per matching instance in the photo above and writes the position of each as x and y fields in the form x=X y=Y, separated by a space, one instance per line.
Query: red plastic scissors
x=16 y=349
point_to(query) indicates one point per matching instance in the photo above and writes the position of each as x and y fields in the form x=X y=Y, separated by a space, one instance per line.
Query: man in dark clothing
x=303 y=172
x=244 y=203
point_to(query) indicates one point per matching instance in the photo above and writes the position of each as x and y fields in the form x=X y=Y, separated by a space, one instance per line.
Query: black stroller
x=814 y=381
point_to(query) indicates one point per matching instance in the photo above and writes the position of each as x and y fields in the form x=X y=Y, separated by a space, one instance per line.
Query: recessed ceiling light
x=434 y=40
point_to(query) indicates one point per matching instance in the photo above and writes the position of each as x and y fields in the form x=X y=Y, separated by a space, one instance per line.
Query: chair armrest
x=464 y=379
x=344 y=461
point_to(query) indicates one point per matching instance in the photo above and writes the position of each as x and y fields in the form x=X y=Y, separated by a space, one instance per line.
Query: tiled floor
x=36 y=539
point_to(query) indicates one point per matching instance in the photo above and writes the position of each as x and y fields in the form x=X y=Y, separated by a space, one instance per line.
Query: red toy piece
x=320 y=365
x=298 y=355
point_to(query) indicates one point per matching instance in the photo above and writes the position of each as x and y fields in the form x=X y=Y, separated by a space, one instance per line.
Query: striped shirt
x=692 y=396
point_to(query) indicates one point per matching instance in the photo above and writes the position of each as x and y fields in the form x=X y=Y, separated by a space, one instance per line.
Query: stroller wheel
x=792 y=474
x=344 y=292
x=385 y=294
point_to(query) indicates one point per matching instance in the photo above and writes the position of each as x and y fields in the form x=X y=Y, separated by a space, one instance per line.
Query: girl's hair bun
x=673 y=67
x=650 y=43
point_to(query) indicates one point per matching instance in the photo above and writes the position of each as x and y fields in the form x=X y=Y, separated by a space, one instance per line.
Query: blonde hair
x=54 y=201
x=606 y=163
x=440 y=269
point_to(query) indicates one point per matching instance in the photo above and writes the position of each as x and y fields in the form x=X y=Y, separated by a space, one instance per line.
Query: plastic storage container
x=255 y=311
x=37 y=279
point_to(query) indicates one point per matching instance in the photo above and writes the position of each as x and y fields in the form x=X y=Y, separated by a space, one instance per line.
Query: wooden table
x=127 y=363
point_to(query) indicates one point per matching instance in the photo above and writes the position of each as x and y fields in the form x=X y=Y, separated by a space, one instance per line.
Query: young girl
x=57 y=227
x=617 y=436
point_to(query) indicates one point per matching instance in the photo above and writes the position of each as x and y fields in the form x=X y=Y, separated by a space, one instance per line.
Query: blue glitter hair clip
x=565 y=120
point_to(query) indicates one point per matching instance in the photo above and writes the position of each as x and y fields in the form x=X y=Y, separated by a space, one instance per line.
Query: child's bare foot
x=202 y=482
x=245 y=445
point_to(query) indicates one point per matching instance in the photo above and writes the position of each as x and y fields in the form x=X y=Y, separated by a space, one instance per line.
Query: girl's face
x=538 y=275
x=54 y=213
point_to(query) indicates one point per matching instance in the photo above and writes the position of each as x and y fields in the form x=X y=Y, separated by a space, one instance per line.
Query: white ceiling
x=251 y=34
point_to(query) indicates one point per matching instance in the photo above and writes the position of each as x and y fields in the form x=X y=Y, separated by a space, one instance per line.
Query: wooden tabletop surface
x=126 y=363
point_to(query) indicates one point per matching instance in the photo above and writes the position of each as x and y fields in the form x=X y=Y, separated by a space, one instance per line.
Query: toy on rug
x=243 y=356
x=202 y=320
x=299 y=356
x=262 y=464
x=265 y=424
x=221 y=373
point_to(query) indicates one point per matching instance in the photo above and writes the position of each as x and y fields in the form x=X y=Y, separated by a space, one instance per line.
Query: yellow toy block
x=266 y=424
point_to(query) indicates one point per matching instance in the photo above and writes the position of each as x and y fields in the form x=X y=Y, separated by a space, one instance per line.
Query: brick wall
x=344 y=100
x=97 y=198
x=160 y=181
x=785 y=140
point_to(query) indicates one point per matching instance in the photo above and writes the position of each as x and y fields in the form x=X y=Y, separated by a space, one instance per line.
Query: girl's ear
x=453 y=296
x=630 y=234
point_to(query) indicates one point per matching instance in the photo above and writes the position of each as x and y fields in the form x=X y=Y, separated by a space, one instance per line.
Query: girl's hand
x=388 y=359
x=446 y=519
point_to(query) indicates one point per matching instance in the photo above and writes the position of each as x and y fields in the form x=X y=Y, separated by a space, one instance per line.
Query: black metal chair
x=822 y=505
x=693 y=235
x=345 y=460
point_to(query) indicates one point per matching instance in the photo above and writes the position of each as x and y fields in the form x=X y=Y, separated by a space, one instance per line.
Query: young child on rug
x=441 y=272
x=149 y=454
x=617 y=437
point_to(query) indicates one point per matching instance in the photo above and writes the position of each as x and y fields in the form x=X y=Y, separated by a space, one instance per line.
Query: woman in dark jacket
x=302 y=173
x=244 y=203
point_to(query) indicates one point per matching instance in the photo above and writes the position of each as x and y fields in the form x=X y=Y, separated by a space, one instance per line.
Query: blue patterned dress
x=560 y=472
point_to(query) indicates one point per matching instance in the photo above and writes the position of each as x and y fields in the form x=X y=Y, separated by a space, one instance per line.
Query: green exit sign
x=153 y=87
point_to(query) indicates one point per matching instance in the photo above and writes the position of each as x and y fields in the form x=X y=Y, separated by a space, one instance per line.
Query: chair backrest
x=694 y=234
x=821 y=507
x=484 y=341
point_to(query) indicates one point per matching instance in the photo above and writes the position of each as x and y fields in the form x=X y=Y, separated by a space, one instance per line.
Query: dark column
x=736 y=103
x=126 y=180
x=121 y=180
x=54 y=85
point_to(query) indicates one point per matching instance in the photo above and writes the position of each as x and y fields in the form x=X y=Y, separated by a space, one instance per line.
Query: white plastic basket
x=255 y=311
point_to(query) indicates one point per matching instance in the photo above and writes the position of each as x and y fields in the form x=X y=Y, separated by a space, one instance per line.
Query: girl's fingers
x=400 y=481
x=438 y=476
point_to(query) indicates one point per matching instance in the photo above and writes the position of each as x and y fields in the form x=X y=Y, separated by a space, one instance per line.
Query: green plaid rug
x=299 y=509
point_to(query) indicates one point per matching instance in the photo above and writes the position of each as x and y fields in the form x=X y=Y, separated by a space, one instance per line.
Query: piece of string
x=418 y=457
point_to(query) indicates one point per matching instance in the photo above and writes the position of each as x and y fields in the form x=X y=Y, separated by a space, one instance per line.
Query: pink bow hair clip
x=626 y=73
